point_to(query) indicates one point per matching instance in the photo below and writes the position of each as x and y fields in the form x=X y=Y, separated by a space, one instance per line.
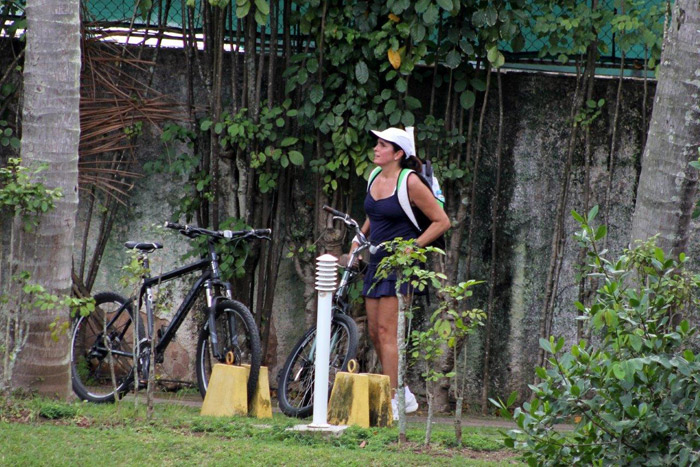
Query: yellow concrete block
x=227 y=393
x=260 y=406
x=379 y=400
x=348 y=404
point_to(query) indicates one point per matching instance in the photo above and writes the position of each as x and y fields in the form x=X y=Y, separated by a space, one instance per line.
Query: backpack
x=415 y=215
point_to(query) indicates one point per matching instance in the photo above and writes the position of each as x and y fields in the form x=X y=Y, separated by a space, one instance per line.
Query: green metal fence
x=169 y=13
x=123 y=11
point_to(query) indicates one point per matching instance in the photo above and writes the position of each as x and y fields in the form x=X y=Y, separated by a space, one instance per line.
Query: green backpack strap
x=372 y=176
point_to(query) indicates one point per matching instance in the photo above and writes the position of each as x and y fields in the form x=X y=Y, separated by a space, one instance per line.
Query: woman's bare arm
x=423 y=198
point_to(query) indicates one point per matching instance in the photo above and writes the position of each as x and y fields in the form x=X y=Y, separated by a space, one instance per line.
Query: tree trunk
x=667 y=184
x=495 y=206
x=50 y=135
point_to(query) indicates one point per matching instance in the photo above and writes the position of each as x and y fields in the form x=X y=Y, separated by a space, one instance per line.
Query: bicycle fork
x=212 y=301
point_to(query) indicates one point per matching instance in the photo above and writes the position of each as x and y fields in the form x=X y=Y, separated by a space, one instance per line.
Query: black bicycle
x=295 y=383
x=111 y=350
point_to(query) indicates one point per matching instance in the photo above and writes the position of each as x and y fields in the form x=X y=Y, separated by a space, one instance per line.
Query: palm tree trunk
x=667 y=184
x=50 y=136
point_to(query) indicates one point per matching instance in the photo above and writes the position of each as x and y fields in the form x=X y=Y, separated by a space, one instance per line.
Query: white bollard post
x=326 y=275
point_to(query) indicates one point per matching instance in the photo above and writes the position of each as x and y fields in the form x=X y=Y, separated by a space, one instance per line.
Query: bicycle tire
x=244 y=343
x=91 y=371
x=295 y=385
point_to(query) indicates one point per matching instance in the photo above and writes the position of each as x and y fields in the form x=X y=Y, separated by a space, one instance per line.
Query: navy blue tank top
x=387 y=221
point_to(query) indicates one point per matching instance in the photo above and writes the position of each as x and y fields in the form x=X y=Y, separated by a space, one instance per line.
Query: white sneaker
x=411 y=402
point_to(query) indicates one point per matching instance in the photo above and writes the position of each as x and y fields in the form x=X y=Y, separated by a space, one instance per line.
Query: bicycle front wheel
x=295 y=386
x=102 y=349
x=236 y=332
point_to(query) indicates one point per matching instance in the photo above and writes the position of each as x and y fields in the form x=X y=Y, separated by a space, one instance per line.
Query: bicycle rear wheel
x=236 y=332
x=295 y=385
x=102 y=349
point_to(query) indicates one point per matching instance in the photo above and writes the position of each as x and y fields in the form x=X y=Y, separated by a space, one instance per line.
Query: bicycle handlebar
x=192 y=231
x=349 y=221
x=342 y=216
x=335 y=212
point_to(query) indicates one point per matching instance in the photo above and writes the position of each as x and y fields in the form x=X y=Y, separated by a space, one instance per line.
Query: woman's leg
x=382 y=317
x=372 y=308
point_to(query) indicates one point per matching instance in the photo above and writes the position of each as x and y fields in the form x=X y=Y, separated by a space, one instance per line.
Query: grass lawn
x=44 y=432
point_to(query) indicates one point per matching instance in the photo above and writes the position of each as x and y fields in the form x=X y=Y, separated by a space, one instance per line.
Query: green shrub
x=55 y=410
x=633 y=391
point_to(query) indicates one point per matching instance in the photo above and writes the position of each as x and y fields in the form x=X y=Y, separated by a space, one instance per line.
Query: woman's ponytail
x=411 y=161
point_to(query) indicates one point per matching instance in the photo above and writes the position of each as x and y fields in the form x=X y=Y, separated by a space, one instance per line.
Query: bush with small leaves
x=633 y=391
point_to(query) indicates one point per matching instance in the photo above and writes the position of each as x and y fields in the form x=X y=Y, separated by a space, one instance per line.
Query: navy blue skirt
x=385 y=287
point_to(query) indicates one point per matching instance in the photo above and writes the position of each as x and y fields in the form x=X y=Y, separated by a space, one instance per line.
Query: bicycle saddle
x=143 y=246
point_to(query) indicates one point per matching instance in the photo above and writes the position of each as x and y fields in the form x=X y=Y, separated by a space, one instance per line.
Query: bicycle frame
x=208 y=281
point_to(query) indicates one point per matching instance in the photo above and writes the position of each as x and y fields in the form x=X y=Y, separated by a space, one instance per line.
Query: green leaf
x=312 y=65
x=316 y=93
x=260 y=18
x=592 y=213
x=401 y=85
x=492 y=53
x=541 y=373
x=500 y=61
x=445 y=4
x=659 y=254
x=453 y=59
x=412 y=103
x=407 y=118
x=242 y=10
x=431 y=15
x=467 y=100
x=478 y=84
x=395 y=117
x=618 y=371
x=263 y=7
x=491 y=15
x=578 y=217
x=512 y=398
x=546 y=345
x=635 y=341
x=361 y=72
x=600 y=232
x=288 y=141
x=421 y=6
x=418 y=32
x=479 y=18
x=688 y=355
x=296 y=157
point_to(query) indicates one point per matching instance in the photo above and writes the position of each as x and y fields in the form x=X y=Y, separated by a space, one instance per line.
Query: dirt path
x=419 y=416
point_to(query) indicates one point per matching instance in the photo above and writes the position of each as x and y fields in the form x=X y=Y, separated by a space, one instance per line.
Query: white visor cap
x=398 y=136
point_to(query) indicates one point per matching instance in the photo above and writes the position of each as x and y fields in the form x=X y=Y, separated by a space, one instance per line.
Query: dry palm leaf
x=115 y=105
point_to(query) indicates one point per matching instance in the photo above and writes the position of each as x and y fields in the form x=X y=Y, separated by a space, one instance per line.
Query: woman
x=386 y=221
